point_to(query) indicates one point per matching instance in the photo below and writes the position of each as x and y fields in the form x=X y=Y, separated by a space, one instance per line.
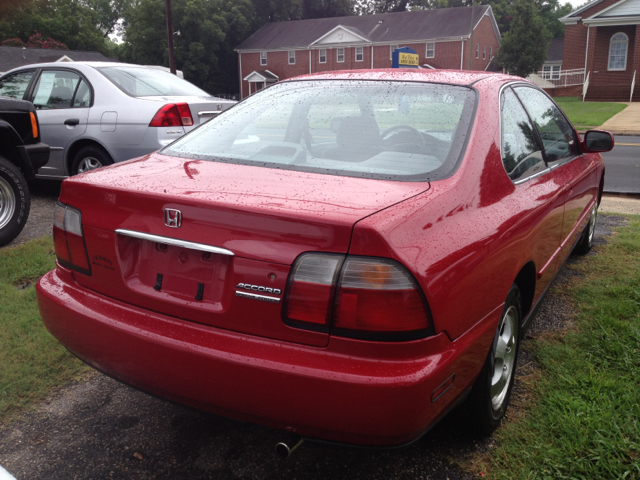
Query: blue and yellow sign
x=405 y=57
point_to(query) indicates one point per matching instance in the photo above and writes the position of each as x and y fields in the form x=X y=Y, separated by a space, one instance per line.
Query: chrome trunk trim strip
x=262 y=298
x=174 y=241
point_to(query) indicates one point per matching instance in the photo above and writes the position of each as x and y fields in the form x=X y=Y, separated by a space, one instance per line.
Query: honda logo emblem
x=172 y=218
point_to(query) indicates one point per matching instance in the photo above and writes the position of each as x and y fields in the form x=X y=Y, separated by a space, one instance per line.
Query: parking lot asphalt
x=97 y=428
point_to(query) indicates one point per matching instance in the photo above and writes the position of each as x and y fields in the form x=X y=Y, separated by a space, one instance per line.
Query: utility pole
x=470 y=38
x=172 y=57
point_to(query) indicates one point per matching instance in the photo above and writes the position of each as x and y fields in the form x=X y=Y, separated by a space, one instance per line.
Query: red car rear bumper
x=351 y=391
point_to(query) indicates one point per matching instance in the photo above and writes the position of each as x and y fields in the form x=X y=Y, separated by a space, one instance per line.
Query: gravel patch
x=44 y=194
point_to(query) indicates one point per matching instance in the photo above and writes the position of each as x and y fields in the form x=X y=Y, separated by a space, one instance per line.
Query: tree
x=209 y=32
x=71 y=22
x=524 y=46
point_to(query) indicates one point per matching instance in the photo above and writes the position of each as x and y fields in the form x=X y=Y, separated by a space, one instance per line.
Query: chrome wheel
x=504 y=357
x=88 y=163
x=592 y=222
x=7 y=202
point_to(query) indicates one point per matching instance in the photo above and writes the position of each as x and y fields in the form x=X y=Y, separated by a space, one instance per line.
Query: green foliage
x=32 y=361
x=74 y=23
x=585 y=422
x=209 y=31
x=524 y=46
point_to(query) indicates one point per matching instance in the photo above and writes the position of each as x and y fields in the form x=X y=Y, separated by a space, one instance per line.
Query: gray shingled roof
x=394 y=27
x=13 y=57
x=555 y=50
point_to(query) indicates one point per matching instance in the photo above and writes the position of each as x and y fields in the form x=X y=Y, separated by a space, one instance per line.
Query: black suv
x=21 y=155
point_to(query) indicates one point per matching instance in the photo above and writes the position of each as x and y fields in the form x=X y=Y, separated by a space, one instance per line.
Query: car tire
x=490 y=394
x=15 y=201
x=586 y=239
x=90 y=158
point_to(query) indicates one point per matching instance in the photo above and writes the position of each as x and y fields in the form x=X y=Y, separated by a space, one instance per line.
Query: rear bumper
x=351 y=391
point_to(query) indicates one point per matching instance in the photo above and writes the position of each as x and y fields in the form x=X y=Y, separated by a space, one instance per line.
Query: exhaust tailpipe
x=285 y=449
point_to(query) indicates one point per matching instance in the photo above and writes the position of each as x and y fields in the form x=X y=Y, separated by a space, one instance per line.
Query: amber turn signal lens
x=34 y=125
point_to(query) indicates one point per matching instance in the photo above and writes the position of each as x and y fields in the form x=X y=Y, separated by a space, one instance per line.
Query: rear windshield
x=147 y=82
x=372 y=129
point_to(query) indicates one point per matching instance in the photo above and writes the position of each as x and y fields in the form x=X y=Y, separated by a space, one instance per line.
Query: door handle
x=72 y=122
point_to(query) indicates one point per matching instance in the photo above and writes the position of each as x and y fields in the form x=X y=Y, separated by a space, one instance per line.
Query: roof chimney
x=23 y=53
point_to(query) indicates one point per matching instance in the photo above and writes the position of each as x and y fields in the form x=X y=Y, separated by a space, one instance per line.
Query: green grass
x=584 y=421
x=32 y=362
x=588 y=114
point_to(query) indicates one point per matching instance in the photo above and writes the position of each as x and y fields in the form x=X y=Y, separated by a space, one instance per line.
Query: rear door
x=62 y=98
x=572 y=169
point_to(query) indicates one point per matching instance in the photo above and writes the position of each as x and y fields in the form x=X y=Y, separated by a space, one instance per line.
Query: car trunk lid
x=261 y=218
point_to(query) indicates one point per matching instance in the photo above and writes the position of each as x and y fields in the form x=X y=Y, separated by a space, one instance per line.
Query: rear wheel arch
x=79 y=145
x=9 y=152
x=526 y=282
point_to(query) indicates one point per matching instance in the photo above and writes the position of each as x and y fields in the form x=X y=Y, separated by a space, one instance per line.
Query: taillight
x=173 y=115
x=360 y=297
x=310 y=289
x=68 y=239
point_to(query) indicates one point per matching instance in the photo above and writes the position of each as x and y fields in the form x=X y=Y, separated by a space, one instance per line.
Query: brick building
x=602 y=39
x=441 y=37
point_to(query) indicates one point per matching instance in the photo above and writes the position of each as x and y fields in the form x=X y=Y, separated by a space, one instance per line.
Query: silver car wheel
x=88 y=163
x=7 y=202
x=592 y=222
x=504 y=357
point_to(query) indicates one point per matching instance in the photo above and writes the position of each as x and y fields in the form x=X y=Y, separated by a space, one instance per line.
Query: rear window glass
x=147 y=82
x=372 y=129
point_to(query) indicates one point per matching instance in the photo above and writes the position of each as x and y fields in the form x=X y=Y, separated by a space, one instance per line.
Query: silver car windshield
x=147 y=82
x=373 y=129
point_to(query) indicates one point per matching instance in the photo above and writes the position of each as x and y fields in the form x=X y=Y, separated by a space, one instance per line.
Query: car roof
x=76 y=65
x=455 y=77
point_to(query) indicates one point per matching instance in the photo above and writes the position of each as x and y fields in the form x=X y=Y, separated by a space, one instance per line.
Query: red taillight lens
x=173 y=115
x=375 y=298
x=68 y=239
x=185 y=114
x=310 y=289
x=378 y=295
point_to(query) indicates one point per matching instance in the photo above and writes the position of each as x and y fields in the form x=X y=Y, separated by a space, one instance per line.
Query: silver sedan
x=95 y=113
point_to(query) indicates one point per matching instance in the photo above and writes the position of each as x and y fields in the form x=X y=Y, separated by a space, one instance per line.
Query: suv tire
x=15 y=201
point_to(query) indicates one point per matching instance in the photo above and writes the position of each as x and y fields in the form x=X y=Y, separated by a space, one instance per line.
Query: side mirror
x=597 y=141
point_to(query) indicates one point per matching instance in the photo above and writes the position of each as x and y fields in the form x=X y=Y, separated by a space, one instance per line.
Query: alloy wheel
x=592 y=222
x=504 y=357
x=88 y=163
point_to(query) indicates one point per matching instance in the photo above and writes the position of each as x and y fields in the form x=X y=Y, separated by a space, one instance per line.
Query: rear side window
x=16 y=84
x=147 y=82
x=521 y=153
x=373 y=129
x=55 y=89
x=555 y=131
x=82 y=97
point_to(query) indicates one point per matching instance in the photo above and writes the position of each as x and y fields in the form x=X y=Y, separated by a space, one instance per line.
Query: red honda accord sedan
x=346 y=255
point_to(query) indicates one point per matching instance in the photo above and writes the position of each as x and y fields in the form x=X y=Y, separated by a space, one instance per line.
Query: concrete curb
x=620 y=203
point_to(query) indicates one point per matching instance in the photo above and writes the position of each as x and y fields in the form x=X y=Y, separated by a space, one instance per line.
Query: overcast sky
x=574 y=3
